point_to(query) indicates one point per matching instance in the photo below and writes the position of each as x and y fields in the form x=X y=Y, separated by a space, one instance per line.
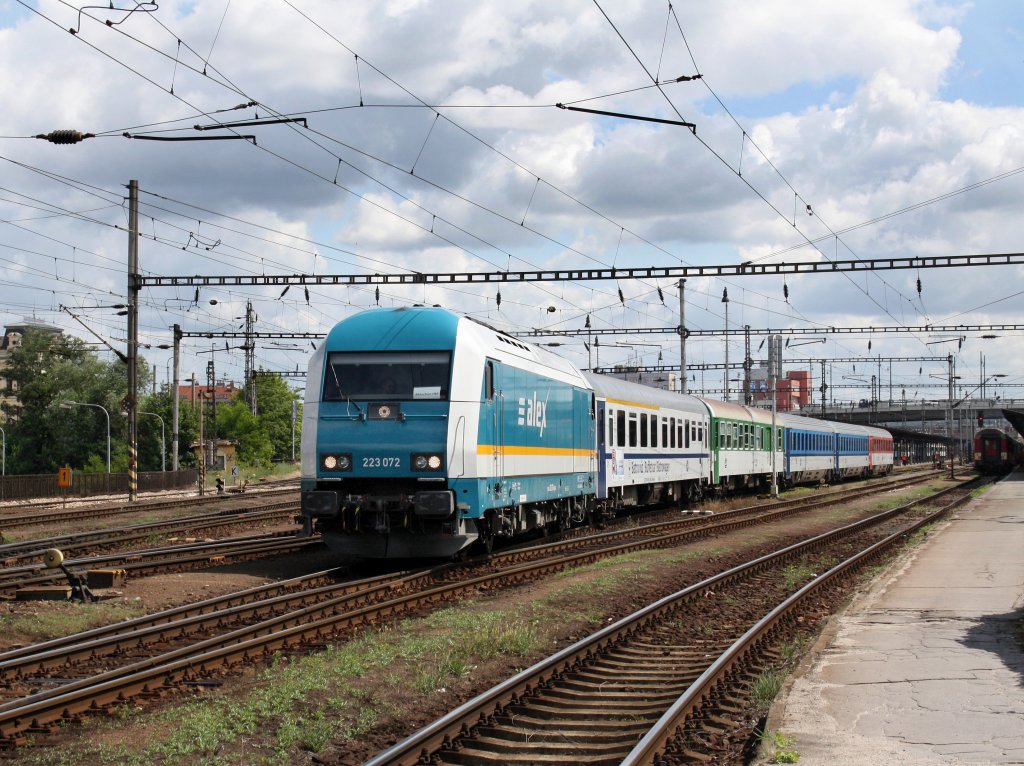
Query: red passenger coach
x=880 y=455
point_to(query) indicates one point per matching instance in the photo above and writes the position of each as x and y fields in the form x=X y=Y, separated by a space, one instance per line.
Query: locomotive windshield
x=387 y=376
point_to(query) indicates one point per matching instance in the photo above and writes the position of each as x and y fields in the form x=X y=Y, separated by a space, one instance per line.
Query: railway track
x=104 y=539
x=174 y=558
x=177 y=648
x=16 y=517
x=667 y=684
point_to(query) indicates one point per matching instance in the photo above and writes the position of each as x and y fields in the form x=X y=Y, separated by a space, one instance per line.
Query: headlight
x=427 y=461
x=336 y=462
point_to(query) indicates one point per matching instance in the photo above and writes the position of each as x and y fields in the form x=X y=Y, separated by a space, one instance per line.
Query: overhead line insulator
x=65 y=136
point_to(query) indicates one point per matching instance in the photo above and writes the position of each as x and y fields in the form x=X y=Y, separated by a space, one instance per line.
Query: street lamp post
x=3 y=459
x=67 y=404
x=163 y=463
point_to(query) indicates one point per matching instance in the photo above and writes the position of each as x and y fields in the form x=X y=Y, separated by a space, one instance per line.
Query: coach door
x=493 y=417
x=604 y=435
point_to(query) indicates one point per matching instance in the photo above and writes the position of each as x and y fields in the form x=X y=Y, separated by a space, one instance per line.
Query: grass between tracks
x=62 y=619
x=299 y=705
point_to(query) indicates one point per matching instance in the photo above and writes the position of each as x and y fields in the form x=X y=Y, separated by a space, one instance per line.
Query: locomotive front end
x=375 y=465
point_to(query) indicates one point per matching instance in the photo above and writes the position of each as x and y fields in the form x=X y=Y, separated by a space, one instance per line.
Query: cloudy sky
x=431 y=142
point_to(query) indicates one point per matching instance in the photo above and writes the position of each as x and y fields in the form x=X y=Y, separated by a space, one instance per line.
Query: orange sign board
x=64 y=477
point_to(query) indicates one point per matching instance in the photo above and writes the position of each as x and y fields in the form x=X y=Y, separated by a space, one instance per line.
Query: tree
x=41 y=436
x=234 y=421
x=149 y=431
x=266 y=436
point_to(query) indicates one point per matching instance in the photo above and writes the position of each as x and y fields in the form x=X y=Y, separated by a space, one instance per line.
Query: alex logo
x=533 y=413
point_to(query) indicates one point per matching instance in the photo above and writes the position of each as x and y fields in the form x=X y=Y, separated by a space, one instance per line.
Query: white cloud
x=843 y=101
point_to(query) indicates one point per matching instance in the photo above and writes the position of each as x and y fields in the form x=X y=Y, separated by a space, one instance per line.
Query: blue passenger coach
x=425 y=432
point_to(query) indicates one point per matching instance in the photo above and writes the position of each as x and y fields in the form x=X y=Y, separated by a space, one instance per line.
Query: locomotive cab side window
x=489 y=380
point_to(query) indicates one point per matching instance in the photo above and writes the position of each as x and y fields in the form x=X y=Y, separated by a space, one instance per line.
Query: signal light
x=981 y=420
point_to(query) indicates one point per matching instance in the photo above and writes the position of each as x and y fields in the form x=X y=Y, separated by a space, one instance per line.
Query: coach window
x=611 y=429
x=632 y=429
x=686 y=433
x=679 y=436
x=620 y=428
x=672 y=431
x=643 y=429
x=654 y=430
x=664 y=432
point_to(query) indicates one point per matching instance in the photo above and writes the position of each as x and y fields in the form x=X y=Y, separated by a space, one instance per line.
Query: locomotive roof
x=408 y=329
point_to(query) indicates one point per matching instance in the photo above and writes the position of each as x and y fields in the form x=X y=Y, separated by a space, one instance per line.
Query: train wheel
x=486 y=527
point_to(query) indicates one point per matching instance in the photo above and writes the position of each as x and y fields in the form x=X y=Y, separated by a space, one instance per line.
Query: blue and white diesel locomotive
x=425 y=433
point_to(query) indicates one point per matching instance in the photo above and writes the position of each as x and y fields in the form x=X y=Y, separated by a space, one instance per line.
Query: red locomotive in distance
x=995 y=451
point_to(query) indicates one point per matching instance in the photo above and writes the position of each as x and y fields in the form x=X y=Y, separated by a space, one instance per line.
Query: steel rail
x=173 y=558
x=40 y=518
x=12 y=552
x=420 y=746
x=656 y=742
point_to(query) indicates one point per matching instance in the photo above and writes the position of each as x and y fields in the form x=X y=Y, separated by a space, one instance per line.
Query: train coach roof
x=737 y=411
x=623 y=391
x=790 y=420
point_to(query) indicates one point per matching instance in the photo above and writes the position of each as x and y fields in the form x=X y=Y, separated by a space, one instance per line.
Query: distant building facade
x=13 y=335
x=195 y=393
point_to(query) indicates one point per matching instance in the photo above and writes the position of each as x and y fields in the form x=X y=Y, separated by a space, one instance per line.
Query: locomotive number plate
x=382 y=462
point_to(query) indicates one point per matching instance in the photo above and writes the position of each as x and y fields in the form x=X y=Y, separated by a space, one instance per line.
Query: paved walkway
x=928 y=667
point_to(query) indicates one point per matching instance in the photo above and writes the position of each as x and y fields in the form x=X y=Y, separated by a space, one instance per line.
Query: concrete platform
x=928 y=666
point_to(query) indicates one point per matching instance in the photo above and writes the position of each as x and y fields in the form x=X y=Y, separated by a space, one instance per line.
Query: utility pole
x=682 y=337
x=202 y=447
x=725 y=300
x=774 y=370
x=949 y=417
x=211 y=390
x=250 y=356
x=748 y=396
x=824 y=388
x=175 y=399
x=133 y=339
